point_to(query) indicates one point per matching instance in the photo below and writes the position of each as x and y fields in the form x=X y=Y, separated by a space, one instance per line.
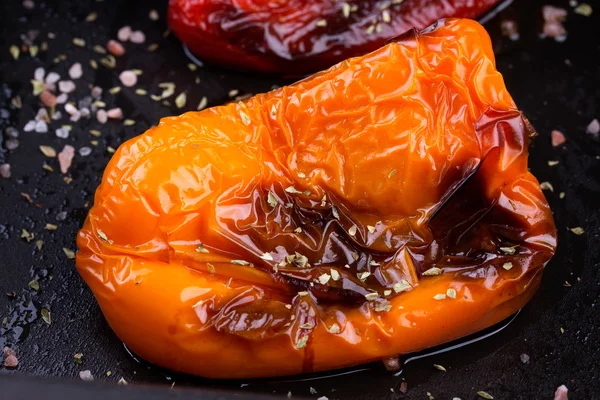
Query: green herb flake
x=451 y=293
x=180 y=100
x=335 y=275
x=507 y=266
x=433 y=271
x=584 y=9
x=211 y=268
x=364 y=275
x=293 y=190
x=335 y=212
x=371 y=228
x=578 y=230
x=552 y=163
x=79 y=42
x=14 y=52
x=78 y=357
x=401 y=286
x=547 y=186
x=272 y=200
x=203 y=103
x=352 y=230
x=201 y=249
x=324 y=278
x=102 y=235
x=267 y=257
x=561 y=195
x=46 y=315
x=303 y=293
x=374 y=263
x=371 y=296
x=508 y=250
x=298 y=230
x=301 y=175
x=307 y=325
x=35 y=285
x=245 y=118
x=240 y=262
x=392 y=173
x=69 y=253
x=383 y=306
x=312 y=390
x=485 y=395
x=439 y=367
x=439 y=296
x=335 y=328
x=301 y=343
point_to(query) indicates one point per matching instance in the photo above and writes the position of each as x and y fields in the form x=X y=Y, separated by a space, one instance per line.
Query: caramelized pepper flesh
x=377 y=208
x=293 y=37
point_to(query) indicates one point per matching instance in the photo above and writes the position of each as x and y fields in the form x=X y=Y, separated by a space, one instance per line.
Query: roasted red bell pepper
x=293 y=37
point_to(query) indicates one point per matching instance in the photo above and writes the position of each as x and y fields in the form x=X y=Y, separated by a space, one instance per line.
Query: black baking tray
x=557 y=85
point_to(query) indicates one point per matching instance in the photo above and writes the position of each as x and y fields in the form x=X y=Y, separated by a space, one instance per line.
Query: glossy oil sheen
x=418 y=146
x=294 y=37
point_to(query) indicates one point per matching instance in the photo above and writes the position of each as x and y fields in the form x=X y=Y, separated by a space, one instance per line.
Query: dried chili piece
x=377 y=208
x=294 y=37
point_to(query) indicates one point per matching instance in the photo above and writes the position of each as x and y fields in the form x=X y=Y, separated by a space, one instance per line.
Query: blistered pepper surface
x=377 y=208
x=293 y=37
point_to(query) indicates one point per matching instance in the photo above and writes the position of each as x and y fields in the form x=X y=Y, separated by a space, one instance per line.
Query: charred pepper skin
x=295 y=37
x=377 y=208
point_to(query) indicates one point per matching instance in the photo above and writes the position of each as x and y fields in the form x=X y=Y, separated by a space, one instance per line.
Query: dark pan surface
x=557 y=85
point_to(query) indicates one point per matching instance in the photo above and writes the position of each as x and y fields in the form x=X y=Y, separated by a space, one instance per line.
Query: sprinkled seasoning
x=272 y=200
x=451 y=293
x=181 y=100
x=335 y=275
x=14 y=52
x=301 y=175
x=578 y=230
x=374 y=263
x=433 y=271
x=240 y=262
x=303 y=293
x=392 y=173
x=371 y=296
x=129 y=122
x=46 y=316
x=508 y=250
x=507 y=266
x=334 y=328
x=79 y=42
x=273 y=111
x=321 y=23
x=301 y=343
x=439 y=367
x=233 y=92
x=69 y=253
x=78 y=357
x=439 y=296
x=102 y=235
x=203 y=103
x=583 y=9
x=35 y=285
x=383 y=306
x=401 y=286
x=324 y=278
x=51 y=227
x=293 y=190
x=201 y=249
x=547 y=186
x=122 y=381
x=245 y=118
x=371 y=228
x=485 y=395
x=364 y=275
x=346 y=10
x=352 y=230
x=386 y=17
x=335 y=212
x=211 y=268
x=553 y=163
x=48 y=151
x=307 y=326
x=267 y=257
x=298 y=230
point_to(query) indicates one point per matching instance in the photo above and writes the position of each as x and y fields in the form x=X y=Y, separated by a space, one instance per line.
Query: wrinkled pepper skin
x=295 y=37
x=409 y=158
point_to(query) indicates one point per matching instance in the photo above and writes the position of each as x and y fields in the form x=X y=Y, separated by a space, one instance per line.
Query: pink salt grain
x=137 y=37
x=124 y=33
x=558 y=138
x=128 y=78
x=114 y=113
x=65 y=157
x=115 y=48
x=101 y=116
x=48 y=99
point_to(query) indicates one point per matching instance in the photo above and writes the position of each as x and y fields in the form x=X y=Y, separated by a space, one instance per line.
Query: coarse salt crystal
x=75 y=72
x=128 y=78
x=124 y=33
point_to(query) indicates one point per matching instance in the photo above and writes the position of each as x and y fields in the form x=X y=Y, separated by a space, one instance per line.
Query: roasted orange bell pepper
x=377 y=208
